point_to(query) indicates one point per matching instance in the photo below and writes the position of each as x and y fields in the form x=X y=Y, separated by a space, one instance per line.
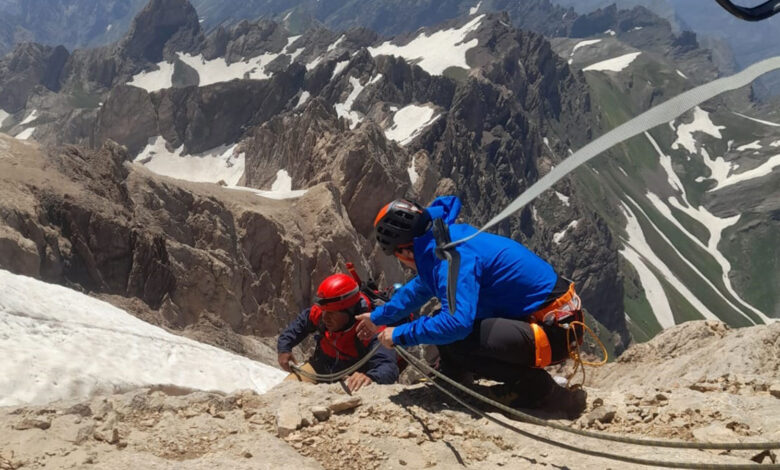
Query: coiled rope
x=336 y=376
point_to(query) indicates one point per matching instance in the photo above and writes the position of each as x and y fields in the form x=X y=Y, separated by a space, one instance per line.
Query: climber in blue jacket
x=503 y=312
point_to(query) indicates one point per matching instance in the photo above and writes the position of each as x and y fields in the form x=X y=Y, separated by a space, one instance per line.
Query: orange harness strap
x=563 y=307
x=542 y=346
x=559 y=304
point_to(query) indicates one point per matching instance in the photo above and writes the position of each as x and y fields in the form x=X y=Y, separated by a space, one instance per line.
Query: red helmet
x=337 y=292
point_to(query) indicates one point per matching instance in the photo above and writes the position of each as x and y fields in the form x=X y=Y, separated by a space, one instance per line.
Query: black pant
x=503 y=349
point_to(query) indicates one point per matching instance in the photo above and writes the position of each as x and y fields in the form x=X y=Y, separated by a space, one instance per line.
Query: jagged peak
x=163 y=26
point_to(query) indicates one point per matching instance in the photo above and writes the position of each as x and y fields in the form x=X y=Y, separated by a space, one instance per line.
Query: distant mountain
x=471 y=106
x=748 y=42
x=72 y=23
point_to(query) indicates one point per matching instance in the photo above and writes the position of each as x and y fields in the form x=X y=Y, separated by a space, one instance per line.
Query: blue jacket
x=498 y=277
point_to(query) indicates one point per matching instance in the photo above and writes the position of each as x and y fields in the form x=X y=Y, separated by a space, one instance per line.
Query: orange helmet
x=337 y=292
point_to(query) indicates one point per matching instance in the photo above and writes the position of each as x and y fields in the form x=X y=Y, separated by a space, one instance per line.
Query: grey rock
x=322 y=413
x=602 y=414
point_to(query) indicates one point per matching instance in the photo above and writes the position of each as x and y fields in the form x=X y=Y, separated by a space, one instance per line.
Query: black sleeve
x=295 y=332
x=382 y=368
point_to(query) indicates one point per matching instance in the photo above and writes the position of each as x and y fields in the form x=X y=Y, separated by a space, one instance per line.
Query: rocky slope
x=668 y=388
x=220 y=261
x=675 y=190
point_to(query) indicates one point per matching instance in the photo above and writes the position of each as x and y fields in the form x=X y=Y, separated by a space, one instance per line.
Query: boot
x=564 y=401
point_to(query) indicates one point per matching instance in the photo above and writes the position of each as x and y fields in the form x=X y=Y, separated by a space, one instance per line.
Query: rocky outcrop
x=315 y=146
x=160 y=29
x=197 y=118
x=194 y=254
x=29 y=66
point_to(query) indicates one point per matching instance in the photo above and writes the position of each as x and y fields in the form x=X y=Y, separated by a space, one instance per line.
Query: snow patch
x=588 y=42
x=336 y=44
x=714 y=225
x=437 y=51
x=3 y=116
x=217 y=70
x=636 y=240
x=681 y=74
x=294 y=54
x=303 y=98
x=558 y=236
x=666 y=164
x=475 y=9
x=615 y=64
x=654 y=291
x=751 y=146
x=59 y=344
x=622 y=171
x=25 y=134
x=700 y=179
x=409 y=122
x=563 y=198
x=775 y=144
x=340 y=66
x=762 y=170
x=582 y=44
x=154 y=80
x=413 y=175
x=30 y=118
x=314 y=63
x=701 y=123
x=610 y=32
x=375 y=79
x=345 y=109
x=211 y=166
x=108 y=28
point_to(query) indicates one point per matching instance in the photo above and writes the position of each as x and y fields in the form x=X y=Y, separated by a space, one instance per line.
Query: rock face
x=162 y=28
x=29 y=65
x=193 y=254
x=396 y=426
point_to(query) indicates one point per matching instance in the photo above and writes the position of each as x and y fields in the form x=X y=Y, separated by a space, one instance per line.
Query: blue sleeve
x=409 y=298
x=450 y=324
x=295 y=332
x=382 y=368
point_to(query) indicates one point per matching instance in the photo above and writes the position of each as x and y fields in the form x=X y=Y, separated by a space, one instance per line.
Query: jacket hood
x=446 y=208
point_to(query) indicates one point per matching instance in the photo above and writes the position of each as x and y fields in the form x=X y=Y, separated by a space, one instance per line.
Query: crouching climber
x=504 y=311
x=332 y=320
